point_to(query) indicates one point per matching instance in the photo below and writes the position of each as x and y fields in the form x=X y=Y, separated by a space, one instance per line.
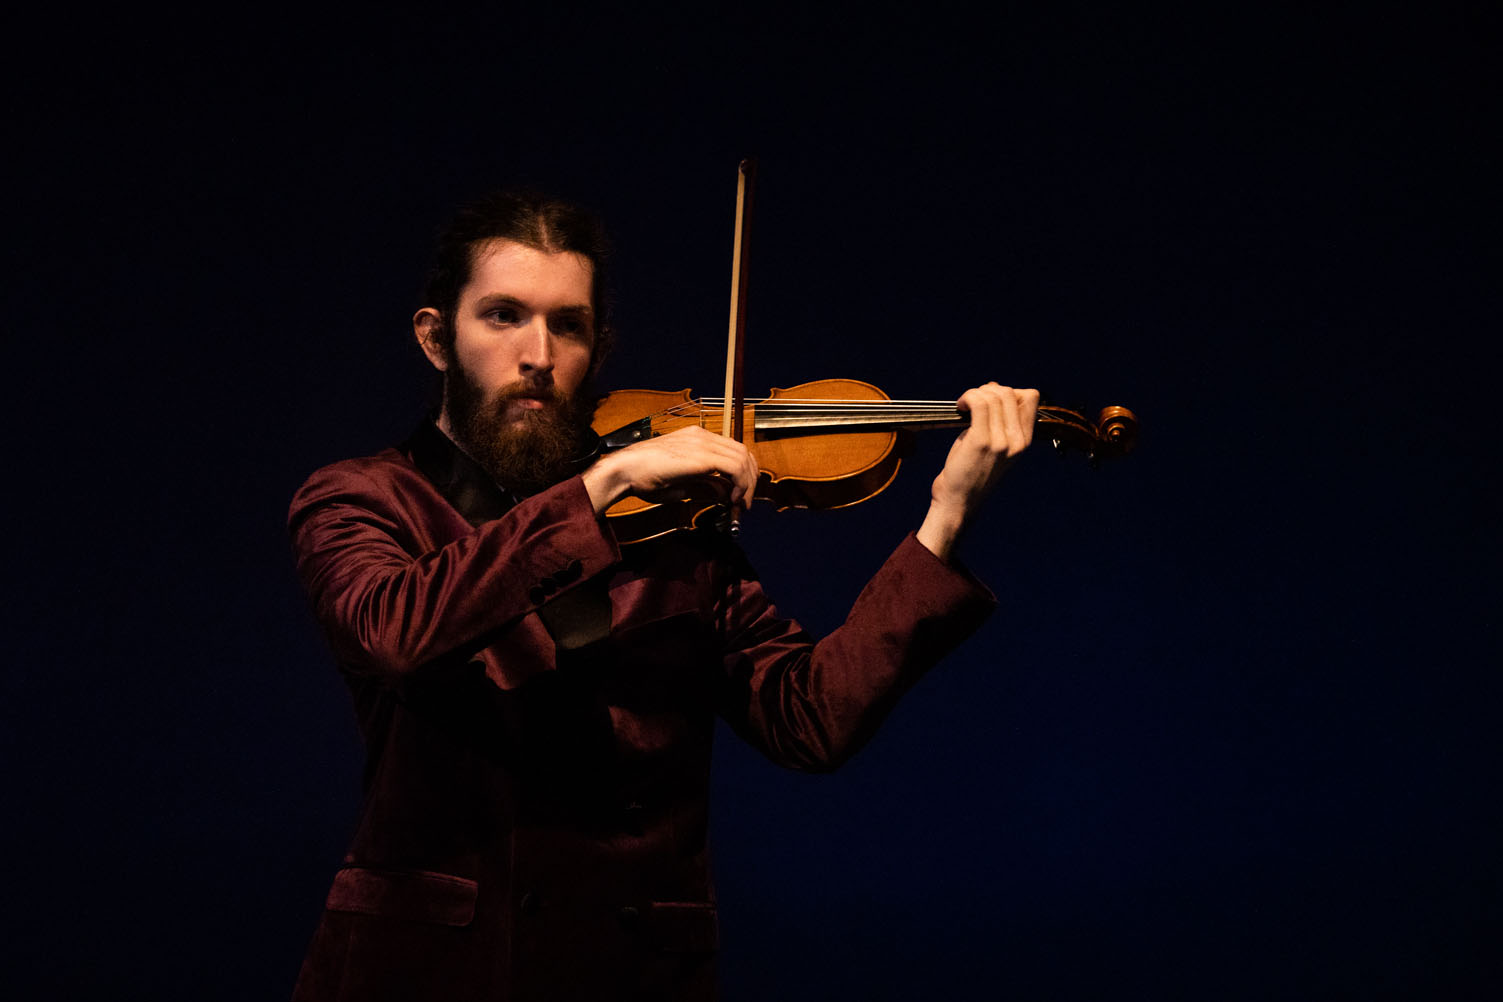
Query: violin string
x=835 y=400
x=825 y=406
x=842 y=407
x=829 y=406
x=896 y=411
x=822 y=401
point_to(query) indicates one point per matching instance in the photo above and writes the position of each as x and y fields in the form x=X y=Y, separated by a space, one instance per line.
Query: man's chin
x=525 y=443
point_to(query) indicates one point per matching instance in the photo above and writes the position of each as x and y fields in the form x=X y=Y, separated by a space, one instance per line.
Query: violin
x=830 y=443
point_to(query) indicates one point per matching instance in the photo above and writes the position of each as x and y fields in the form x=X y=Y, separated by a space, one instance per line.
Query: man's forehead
x=502 y=262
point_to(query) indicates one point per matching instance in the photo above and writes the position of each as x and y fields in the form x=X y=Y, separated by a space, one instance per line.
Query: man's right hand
x=659 y=466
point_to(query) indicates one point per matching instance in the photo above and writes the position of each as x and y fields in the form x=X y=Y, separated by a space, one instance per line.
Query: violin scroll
x=1118 y=427
x=1114 y=432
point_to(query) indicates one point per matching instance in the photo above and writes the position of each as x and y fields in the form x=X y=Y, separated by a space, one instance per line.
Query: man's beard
x=523 y=450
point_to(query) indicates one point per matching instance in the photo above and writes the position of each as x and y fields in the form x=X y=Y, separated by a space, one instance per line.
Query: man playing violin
x=537 y=701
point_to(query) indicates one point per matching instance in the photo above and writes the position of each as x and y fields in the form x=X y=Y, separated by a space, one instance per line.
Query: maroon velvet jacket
x=537 y=707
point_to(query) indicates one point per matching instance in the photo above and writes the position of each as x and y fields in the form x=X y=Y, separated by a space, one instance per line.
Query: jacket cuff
x=945 y=584
x=568 y=535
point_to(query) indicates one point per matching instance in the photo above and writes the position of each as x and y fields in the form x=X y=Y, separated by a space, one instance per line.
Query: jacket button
x=536 y=595
x=632 y=817
x=548 y=585
x=570 y=573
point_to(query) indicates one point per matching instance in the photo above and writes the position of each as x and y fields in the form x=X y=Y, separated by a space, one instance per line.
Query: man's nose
x=537 y=348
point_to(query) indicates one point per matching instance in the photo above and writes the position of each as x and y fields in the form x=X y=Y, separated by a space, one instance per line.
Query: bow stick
x=735 y=352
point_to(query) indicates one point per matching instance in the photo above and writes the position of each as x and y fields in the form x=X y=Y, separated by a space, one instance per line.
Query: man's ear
x=427 y=324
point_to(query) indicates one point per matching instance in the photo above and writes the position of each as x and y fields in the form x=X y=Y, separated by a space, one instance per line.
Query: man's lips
x=516 y=405
x=517 y=399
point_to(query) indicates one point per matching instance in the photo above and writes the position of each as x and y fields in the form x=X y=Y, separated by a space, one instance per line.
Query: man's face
x=523 y=336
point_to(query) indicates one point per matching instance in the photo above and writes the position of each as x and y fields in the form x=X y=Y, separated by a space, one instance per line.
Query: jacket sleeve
x=812 y=705
x=391 y=604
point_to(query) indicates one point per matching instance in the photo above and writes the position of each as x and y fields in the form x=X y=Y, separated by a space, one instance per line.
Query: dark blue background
x=1232 y=733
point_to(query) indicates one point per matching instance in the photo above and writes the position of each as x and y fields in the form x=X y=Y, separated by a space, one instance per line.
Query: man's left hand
x=1001 y=428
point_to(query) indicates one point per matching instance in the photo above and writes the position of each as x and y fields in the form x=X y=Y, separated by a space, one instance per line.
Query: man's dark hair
x=531 y=219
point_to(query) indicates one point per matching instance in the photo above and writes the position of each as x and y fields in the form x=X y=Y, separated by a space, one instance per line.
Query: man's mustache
x=528 y=391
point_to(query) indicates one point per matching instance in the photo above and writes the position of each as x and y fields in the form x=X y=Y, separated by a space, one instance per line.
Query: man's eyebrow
x=497 y=299
x=504 y=299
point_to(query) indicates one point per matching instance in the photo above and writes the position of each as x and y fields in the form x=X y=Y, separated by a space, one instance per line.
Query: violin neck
x=1112 y=433
x=775 y=414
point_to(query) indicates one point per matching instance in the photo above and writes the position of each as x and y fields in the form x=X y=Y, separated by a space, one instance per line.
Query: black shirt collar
x=462 y=481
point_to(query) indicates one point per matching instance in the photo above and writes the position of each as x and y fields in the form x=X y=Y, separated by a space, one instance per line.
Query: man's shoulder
x=383 y=463
x=388 y=473
x=383 y=466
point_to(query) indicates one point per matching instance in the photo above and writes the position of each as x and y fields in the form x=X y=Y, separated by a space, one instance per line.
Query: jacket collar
x=461 y=480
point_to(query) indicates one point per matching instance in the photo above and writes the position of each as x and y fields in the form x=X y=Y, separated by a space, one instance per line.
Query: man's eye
x=503 y=315
x=570 y=327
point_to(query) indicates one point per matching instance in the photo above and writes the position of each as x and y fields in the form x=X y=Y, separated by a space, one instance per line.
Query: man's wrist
x=940 y=531
x=603 y=484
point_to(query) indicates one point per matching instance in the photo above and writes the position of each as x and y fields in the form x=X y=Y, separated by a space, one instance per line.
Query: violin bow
x=735 y=353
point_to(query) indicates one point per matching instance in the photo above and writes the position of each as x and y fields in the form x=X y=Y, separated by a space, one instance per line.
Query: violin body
x=802 y=466
x=830 y=443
